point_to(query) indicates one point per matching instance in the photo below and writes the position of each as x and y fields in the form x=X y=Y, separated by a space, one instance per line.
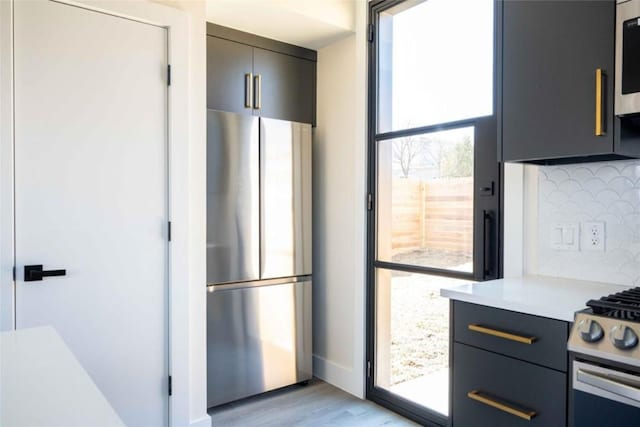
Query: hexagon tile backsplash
x=604 y=191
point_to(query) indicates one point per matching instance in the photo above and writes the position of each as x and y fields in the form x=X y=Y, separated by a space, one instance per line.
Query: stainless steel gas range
x=605 y=360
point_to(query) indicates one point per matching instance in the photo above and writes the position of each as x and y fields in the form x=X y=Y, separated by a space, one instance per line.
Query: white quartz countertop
x=551 y=297
x=43 y=384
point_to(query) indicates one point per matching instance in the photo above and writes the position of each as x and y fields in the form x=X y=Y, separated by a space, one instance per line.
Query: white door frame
x=180 y=254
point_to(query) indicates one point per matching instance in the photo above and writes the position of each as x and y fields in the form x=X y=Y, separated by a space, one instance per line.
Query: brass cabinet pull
x=599 y=102
x=257 y=91
x=248 y=90
x=502 y=334
x=521 y=413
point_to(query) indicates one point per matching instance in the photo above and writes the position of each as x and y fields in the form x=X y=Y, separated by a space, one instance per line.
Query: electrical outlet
x=593 y=236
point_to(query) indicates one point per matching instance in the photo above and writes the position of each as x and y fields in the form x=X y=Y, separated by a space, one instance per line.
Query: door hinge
x=368 y=369
x=169 y=75
x=369 y=202
x=170 y=390
x=169 y=230
x=371 y=35
x=14 y=273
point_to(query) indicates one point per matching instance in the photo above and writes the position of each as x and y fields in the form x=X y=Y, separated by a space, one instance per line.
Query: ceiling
x=309 y=23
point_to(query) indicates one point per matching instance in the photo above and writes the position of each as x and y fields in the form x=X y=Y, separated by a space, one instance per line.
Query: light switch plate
x=565 y=236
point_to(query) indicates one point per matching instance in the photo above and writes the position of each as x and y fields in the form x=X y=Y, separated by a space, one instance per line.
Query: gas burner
x=623 y=305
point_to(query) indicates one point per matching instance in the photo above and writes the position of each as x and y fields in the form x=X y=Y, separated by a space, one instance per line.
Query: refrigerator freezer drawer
x=232 y=197
x=258 y=339
x=285 y=171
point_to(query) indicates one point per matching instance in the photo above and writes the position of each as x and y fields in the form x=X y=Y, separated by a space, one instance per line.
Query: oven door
x=604 y=396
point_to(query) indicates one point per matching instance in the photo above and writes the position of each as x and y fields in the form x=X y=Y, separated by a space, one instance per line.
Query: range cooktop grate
x=623 y=305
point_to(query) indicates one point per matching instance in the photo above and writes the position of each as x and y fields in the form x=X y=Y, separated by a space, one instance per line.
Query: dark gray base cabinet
x=524 y=386
x=509 y=369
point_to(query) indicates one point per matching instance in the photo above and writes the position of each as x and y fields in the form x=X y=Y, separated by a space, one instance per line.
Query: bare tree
x=405 y=151
x=433 y=148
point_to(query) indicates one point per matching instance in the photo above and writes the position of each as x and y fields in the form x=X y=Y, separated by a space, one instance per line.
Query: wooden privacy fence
x=432 y=215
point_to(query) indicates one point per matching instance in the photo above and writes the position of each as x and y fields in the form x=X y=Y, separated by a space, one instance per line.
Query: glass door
x=434 y=183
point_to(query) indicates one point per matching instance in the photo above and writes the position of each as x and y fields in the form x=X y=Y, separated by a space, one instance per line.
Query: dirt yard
x=420 y=318
x=436 y=258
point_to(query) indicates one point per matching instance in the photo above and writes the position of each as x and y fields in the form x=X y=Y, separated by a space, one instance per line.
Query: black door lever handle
x=33 y=273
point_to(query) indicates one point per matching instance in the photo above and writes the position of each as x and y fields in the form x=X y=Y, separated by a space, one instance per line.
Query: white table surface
x=551 y=297
x=43 y=384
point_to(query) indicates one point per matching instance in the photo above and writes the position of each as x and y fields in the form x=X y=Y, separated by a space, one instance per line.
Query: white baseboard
x=338 y=375
x=201 y=422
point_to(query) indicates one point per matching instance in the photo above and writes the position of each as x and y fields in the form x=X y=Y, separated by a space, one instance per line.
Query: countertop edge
x=533 y=310
x=550 y=297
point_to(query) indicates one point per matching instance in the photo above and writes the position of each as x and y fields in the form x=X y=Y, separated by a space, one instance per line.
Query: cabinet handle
x=257 y=91
x=501 y=334
x=248 y=90
x=521 y=413
x=599 y=102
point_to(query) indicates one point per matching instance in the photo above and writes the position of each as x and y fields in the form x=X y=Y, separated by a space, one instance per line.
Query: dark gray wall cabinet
x=508 y=369
x=227 y=65
x=251 y=75
x=551 y=106
x=288 y=86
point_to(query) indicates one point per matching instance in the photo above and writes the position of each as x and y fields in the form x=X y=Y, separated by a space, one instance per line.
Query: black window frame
x=492 y=247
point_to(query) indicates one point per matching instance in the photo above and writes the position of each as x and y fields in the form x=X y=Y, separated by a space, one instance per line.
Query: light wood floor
x=315 y=405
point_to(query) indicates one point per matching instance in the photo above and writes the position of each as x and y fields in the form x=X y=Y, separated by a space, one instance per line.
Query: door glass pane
x=412 y=337
x=425 y=200
x=435 y=62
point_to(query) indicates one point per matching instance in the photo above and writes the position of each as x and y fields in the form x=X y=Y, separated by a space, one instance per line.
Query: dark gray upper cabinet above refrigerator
x=228 y=64
x=252 y=75
x=550 y=101
x=288 y=86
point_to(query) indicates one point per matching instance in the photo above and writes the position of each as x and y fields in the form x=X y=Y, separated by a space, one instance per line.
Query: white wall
x=514 y=215
x=339 y=176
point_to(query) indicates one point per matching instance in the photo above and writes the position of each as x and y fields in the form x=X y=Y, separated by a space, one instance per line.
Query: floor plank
x=314 y=405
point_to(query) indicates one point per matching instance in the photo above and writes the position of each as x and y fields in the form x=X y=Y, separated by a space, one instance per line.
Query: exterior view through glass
x=432 y=149
x=425 y=200
x=436 y=63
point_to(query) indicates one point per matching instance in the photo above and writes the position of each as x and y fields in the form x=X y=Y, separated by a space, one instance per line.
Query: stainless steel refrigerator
x=258 y=255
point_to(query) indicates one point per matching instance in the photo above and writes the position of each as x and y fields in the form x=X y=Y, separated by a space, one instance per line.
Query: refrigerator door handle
x=256 y=283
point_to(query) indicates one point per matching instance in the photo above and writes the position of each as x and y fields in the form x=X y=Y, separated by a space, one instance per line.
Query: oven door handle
x=608 y=383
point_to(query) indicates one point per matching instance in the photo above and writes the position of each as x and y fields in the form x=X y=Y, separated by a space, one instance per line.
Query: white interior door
x=91 y=195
